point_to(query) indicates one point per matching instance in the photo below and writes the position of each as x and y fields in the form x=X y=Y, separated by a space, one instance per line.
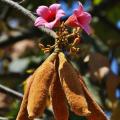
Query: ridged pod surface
x=71 y=85
x=58 y=99
x=96 y=112
x=40 y=86
x=23 y=114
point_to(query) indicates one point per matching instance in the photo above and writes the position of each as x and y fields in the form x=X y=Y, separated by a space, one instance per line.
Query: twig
x=29 y=15
x=10 y=92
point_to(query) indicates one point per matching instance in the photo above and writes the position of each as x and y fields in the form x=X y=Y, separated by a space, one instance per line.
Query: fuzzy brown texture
x=40 y=86
x=96 y=112
x=71 y=85
x=52 y=57
x=23 y=114
x=58 y=100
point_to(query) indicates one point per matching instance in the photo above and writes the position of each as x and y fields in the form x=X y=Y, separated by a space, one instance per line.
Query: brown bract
x=34 y=100
x=72 y=88
x=23 y=114
x=65 y=84
x=96 y=112
x=40 y=87
x=58 y=99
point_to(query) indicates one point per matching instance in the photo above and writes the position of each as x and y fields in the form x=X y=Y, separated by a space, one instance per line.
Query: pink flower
x=49 y=17
x=80 y=18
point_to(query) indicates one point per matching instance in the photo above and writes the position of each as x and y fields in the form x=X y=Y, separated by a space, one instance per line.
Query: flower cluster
x=50 y=17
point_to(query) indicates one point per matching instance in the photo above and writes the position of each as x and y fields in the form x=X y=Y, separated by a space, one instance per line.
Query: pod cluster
x=67 y=91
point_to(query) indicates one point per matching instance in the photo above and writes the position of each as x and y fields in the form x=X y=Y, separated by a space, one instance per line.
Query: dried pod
x=71 y=85
x=23 y=114
x=96 y=112
x=40 y=86
x=58 y=99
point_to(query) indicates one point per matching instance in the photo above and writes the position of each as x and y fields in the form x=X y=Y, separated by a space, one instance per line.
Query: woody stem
x=57 y=49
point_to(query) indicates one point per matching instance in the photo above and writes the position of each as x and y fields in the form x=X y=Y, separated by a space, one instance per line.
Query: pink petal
x=72 y=21
x=87 y=29
x=60 y=13
x=84 y=18
x=49 y=17
x=54 y=8
x=40 y=22
x=84 y=21
x=80 y=19
x=79 y=10
x=43 y=11
x=81 y=6
x=52 y=24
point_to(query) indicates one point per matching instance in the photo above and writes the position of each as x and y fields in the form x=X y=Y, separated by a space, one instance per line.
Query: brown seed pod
x=40 y=86
x=72 y=88
x=58 y=99
x=96 y=112
x=52 y=57
x=23 y=114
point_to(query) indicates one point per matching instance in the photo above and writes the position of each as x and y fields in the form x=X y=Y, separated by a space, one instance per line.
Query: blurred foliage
x=20 y=54
x=97 y=2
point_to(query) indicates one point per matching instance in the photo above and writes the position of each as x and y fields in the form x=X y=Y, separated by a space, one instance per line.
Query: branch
x=10 y=92
x=29 y=15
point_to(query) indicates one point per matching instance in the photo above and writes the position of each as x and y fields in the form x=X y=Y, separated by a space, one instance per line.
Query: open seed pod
x=96 y=112
x=71 y=85
x=23 y=114
x=40 y=86
x=58 y=99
